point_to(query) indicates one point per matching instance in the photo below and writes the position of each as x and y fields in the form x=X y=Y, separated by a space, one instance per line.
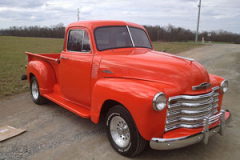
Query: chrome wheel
x=35 y=91
x=119 y=131
x=122 y=132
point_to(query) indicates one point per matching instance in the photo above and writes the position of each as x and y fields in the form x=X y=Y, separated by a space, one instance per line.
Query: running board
x=73 y=107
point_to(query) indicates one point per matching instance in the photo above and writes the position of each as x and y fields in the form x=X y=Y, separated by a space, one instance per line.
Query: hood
x=155 y=66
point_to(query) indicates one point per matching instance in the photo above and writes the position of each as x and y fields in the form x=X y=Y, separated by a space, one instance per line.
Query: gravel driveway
x=55 y=133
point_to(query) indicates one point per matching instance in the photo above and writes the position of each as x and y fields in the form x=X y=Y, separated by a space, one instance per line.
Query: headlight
x=159 y=101
x=224 y=86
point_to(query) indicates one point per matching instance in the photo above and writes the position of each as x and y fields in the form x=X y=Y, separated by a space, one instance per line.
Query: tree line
x=157 y=33
x=55 y=31
x=177 y=34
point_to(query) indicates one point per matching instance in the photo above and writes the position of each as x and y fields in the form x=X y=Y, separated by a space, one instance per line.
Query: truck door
x=75 y=67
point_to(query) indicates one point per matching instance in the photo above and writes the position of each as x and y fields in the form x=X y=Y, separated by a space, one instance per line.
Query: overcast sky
x=215 y=14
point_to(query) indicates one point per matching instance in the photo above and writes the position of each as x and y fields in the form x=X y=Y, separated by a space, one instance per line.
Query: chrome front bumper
x=174 y=143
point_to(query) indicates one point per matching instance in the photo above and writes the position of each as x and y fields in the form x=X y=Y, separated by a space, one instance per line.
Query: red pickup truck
x=109 y=68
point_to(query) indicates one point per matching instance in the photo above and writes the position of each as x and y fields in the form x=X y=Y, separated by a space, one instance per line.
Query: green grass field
x=13 y=59
x=212 y=42
x=174 y=47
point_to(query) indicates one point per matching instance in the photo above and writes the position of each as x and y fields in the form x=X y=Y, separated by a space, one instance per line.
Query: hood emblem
x=202 y=86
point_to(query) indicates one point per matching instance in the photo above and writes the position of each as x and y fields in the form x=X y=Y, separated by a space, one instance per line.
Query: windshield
x=119 y=37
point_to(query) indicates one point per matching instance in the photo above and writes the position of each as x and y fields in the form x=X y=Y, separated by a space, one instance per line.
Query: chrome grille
x=189 y=111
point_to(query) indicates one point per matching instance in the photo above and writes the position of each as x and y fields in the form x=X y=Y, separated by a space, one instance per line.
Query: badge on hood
x=202 y=86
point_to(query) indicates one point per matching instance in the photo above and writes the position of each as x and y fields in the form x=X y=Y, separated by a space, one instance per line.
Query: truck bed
x=52 y=58
x=46 y=56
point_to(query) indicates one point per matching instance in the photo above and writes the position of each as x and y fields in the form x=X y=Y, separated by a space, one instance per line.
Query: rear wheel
x=36 y=96
x=123 y=133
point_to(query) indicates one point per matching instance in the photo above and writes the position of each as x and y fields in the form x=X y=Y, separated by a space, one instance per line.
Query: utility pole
x=199 y=9
x=78 y=17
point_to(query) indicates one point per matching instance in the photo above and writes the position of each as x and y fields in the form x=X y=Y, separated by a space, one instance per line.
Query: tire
x=35 y=94
x=122 y=132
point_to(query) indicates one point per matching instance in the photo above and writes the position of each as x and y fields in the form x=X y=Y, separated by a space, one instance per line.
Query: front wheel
x=123 y=133
x=36 y=96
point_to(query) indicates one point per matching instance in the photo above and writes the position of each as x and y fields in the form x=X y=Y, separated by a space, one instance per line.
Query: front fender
x=136 y=96
x=216 y=81
x=44 y=73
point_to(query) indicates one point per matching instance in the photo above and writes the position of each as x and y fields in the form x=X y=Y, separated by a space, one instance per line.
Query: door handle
x=63 y=57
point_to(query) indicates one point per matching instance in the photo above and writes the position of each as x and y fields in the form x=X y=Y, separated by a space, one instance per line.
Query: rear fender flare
x=44 y=73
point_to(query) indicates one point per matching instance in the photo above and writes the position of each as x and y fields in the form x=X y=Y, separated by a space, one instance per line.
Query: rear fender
x=44 y=73
x=136 y=96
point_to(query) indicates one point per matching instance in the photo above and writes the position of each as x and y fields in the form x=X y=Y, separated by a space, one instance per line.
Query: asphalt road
x=54 y=133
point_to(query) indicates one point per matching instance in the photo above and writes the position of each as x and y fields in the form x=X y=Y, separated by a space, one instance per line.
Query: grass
x=212 y=42
x=13 y=59
x=174 y=47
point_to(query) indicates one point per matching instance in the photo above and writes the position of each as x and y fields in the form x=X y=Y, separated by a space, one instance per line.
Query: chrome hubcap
x=119 y=131
x=35 y=92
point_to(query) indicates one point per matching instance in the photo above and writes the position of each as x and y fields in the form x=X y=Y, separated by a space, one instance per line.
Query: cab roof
x=100 y=23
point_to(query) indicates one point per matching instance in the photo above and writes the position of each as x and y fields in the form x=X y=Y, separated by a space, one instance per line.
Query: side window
x=78 y=41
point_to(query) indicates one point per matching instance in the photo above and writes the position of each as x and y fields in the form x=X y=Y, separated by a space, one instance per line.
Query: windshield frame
x=130 y=35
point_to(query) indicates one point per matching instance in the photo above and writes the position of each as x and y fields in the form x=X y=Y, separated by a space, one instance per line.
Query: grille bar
x=189 y=111
x=195 y=111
